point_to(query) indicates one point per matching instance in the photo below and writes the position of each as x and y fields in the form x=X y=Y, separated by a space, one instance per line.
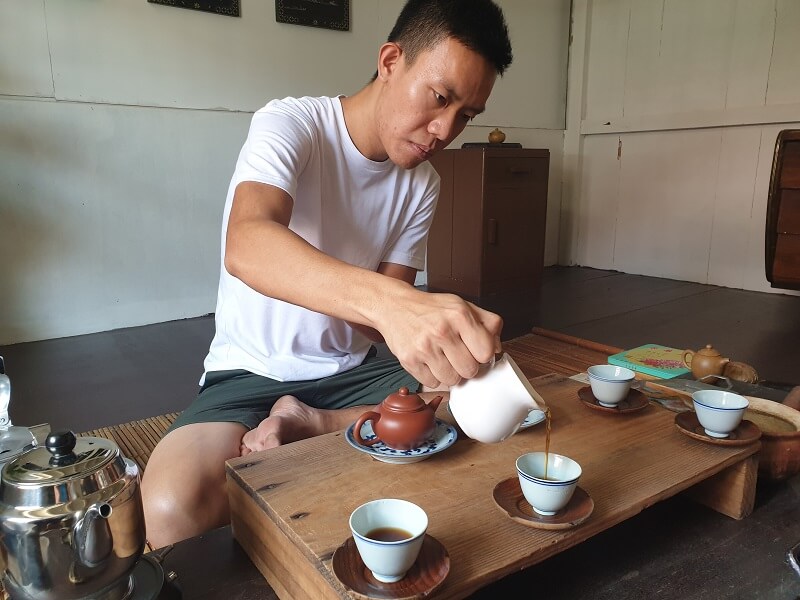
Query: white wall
x=675 y=110
x=120 y=122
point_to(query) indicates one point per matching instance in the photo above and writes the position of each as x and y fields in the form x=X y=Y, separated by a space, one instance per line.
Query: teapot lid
x=709 y=350
x=404 y=401
x=76 y=466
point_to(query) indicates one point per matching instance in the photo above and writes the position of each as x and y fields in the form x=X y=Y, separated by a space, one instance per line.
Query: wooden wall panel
x=643 y=60
x=707 y=86
x=784 y=83
x=24 y=58
x=750 y=53
x=608 y=43
x=666 y=203
x=731 y=231
x=694 y=55
x=597 y=214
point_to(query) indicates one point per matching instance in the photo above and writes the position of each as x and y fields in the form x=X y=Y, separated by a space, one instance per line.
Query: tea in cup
x=610 y=383
x=718 y=411
x=548 y=480
x=388 y=533
x=491 y=406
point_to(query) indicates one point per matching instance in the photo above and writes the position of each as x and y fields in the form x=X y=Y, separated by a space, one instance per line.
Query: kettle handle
x=686 y=358
x=367 y=416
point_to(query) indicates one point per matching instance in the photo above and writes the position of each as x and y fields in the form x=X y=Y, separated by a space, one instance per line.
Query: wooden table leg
x=288 y=572
x=732 y=491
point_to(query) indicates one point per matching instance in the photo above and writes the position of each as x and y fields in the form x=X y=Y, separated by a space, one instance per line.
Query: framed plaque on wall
x=328 y=14
x=220 y=7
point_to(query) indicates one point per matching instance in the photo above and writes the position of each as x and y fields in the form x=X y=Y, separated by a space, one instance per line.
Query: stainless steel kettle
x=71 y=520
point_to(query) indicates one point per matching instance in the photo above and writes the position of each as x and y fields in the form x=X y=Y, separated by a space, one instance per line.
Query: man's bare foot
x=290 y=420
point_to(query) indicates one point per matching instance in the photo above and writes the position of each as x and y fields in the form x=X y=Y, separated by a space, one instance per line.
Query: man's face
x=426 y=104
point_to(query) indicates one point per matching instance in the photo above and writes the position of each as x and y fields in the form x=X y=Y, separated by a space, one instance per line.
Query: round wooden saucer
x=508 y=496
x=746 y=433
x=635 y=401
x=423 y=578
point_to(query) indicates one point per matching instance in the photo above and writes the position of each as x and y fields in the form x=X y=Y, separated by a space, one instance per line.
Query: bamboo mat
x=543 y=352
x=136 y=439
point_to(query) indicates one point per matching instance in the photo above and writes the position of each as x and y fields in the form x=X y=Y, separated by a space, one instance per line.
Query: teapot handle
x=367 y=416
x=686 y=358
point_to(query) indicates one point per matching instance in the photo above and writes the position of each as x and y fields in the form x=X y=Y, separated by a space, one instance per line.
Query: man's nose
x=442 y=127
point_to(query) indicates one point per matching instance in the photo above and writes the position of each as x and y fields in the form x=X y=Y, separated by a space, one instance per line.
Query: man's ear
x=389 y=57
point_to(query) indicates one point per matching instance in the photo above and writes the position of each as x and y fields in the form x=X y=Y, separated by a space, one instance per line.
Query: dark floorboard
x=90 y=381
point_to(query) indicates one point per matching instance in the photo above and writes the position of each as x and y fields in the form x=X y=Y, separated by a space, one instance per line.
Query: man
x=324 y=230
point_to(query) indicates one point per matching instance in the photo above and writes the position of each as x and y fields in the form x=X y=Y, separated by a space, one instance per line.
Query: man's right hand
x=439 y=339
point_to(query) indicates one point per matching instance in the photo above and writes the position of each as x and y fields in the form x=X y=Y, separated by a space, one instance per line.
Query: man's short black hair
x=477 y=24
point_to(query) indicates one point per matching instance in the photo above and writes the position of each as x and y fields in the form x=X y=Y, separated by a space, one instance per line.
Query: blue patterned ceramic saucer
x=443 y=437
x=534 y=417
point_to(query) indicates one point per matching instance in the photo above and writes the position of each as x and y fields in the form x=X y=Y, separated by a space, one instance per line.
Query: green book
x=653 y=359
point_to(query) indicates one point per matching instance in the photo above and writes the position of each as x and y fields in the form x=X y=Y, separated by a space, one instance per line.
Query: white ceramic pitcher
x=491 y=406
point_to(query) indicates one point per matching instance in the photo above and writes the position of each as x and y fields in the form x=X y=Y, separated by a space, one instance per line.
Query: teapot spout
x=434 y=404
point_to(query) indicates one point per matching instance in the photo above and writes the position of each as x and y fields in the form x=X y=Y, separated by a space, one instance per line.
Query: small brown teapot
x=402 y=421
x=706 y=361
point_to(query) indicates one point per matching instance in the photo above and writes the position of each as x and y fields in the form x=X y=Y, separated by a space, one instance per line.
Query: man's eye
x=439 y=98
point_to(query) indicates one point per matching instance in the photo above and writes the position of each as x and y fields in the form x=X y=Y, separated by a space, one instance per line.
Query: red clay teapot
x=706 y=361
x=402 y=421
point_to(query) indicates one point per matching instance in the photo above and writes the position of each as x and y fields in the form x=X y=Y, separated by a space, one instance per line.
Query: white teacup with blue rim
x=389 y=533
x=548 y=480
x=718 y=411
x=610 y=384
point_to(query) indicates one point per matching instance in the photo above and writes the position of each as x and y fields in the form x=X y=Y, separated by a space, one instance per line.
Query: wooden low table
x=290 y=505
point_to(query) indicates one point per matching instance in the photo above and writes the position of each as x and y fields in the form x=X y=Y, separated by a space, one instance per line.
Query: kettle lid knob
x=61 y=444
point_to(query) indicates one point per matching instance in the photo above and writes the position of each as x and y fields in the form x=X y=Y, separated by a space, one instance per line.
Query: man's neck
x=360 y=118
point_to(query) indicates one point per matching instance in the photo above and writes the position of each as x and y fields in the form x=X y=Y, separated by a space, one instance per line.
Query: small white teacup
x=547 y=494
x=610 y=383
x=388 y=533
x=718 y=411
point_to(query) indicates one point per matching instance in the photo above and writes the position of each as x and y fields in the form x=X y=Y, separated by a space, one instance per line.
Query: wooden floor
x=91 y=381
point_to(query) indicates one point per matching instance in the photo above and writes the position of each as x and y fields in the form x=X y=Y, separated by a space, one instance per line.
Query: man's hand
x=439 y=338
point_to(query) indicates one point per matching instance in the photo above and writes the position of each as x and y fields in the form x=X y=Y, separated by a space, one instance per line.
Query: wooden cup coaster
x=633 y=402
x=745 y=433
x=423 y=578
x=509 y=498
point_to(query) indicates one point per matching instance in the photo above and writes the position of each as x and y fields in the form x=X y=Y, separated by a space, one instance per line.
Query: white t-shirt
x=352 y=208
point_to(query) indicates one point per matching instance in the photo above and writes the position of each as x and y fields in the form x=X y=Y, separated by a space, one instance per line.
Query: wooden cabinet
x=487 y=236
x=782 y=235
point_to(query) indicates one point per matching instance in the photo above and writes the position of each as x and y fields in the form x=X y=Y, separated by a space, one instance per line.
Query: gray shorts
x=242 y=397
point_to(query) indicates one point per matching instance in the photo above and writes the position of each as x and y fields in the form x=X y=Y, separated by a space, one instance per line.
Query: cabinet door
x=515 y=209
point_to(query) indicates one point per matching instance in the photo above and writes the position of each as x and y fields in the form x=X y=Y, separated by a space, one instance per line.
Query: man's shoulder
x=305 y=105
x=426 y=171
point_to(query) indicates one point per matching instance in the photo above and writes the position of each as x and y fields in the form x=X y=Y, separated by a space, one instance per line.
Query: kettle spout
x=91 y=536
